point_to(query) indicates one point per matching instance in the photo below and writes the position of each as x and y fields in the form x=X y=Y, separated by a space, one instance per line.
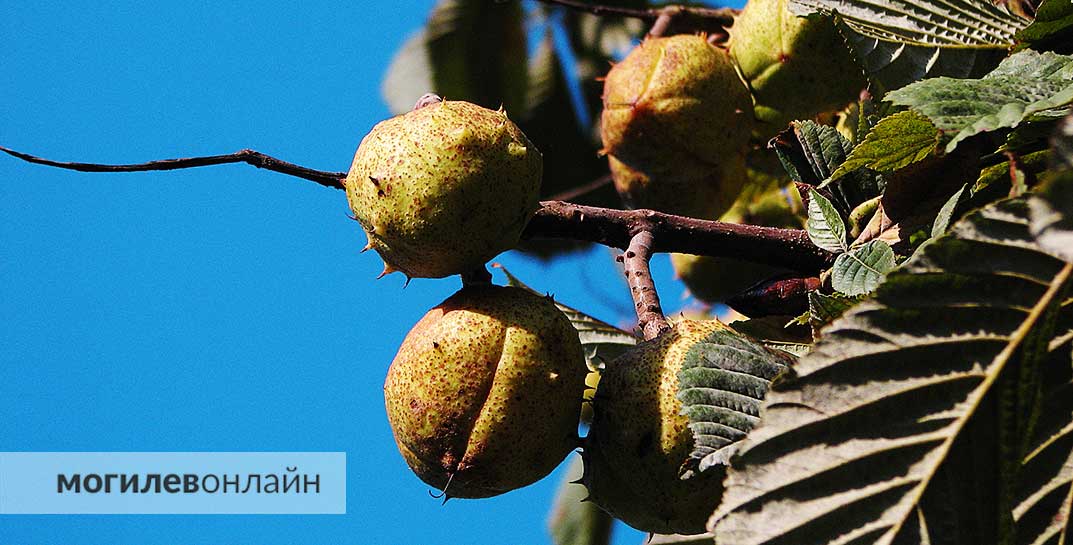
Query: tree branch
x=721 y=16
x=582 y=190
x=255 y=158
x=650 y=318
x=786 y=248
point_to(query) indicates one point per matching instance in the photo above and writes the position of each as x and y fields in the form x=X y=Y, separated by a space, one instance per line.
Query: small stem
x=650 y=318
x=722 y=16
x=786 y=248
x=598 y=9
x=582 y=190
x=327 y=179
x=688 y=20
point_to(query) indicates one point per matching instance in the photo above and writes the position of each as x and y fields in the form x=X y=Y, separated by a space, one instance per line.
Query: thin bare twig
x=581 y=190
x=786 y=248
x=722 y=16
x=255 y=158
x=650 y=318
x=598 y=9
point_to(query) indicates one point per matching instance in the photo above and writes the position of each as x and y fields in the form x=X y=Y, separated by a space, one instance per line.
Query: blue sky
x=223 y=308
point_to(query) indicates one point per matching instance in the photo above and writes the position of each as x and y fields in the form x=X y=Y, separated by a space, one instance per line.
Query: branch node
x=650 y=318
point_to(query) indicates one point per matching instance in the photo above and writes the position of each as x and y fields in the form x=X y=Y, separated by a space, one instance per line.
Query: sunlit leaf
x=825 y=226
x=1051 y=215
x=862 y=269
x=1025 y=84
x=896 y=141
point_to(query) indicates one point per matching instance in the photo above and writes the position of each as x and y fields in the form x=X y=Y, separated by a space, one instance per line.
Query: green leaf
x=772 y=332
x=946 y=213
x=901 y=41
x=861 y=270
x=896 y=141
x=860 y=216
x=824 y=309
x=1062 y=144
x=570 y=150
x=722 y=381
x=825 y=226
x=469 y=50
x=995 y=179
x=1051 y=216
x=810 y=152
x=1045 y=495
x=855 y=189
x=1025 y=84
x=951 y=23
x=677 y=539
x=574 y=521
x=1053 y=26
x=906 y=422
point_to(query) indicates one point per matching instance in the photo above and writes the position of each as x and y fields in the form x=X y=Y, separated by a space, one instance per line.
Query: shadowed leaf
x=469 y=50
x=1045 y=495
x=573 y=521
x=722 y=381
x=908 y=420
x=823 y=309
x=1052 y=29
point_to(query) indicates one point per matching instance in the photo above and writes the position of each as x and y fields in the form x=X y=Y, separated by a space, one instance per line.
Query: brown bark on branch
x=650 y=318
x=721 y=16
x=787 y=248
x=248 y=156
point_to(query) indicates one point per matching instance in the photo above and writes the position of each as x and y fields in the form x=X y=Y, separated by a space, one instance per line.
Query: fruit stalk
x=650 y=318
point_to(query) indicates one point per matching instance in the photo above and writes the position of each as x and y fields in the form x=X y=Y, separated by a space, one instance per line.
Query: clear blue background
x=220 y=308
